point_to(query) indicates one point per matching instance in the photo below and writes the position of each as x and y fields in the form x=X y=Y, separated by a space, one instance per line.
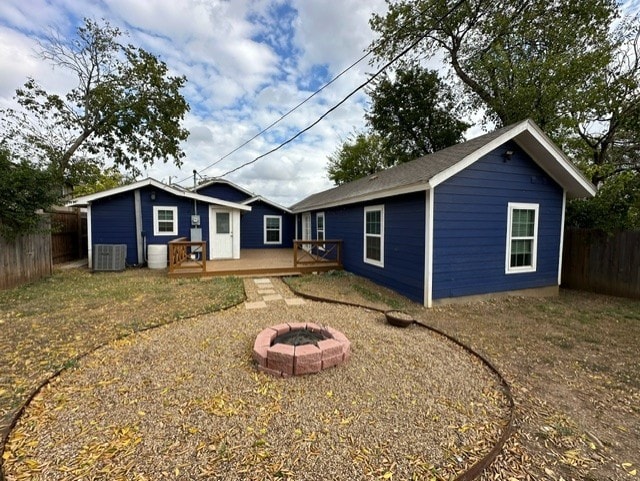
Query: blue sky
x=247 y=63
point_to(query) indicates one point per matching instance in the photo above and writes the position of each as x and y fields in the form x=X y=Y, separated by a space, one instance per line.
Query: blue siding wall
x=223 y=191
x=113 y=219
x=470 y=225
x=252 y=227
x=403 y=242
x=185 y=209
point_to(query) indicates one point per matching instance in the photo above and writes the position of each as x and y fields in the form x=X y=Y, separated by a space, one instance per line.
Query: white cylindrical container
x=157 y=256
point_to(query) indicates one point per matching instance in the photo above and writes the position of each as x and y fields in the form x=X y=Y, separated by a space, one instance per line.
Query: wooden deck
x=256 y=262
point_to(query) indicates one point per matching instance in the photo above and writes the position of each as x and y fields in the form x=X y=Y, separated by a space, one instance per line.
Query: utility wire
x=289 y=112
x=349 y=95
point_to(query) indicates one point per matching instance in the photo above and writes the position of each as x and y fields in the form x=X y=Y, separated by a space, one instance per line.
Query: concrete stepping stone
x=255 y=305
x=294 y=301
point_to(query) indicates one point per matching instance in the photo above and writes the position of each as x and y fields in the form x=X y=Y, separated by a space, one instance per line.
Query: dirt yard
x=572 y=361
x=573 y=364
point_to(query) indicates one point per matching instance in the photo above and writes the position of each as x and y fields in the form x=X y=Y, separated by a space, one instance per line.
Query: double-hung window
x=165 y=220
x=272 y=229
x=374 y=235
x=320 y=229
x=522 y=238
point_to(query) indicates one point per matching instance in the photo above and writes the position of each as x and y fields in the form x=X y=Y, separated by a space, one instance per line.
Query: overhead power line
x=347 y=97
x=274 y=123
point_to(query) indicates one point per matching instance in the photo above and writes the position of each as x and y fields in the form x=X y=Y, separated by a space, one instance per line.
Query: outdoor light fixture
x=508 y=154
x=153 y=195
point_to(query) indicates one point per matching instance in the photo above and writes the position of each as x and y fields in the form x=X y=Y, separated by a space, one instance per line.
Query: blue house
x=478 y=218
x=267 y=225
x=149 y=212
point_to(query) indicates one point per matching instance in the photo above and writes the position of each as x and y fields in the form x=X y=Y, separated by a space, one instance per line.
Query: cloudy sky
x=247 y=63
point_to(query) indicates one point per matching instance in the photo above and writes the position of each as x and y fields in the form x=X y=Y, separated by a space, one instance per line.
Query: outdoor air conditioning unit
x=109 y=257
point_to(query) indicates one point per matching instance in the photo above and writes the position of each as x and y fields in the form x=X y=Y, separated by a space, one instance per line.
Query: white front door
x=306 y=230
x=221 y=228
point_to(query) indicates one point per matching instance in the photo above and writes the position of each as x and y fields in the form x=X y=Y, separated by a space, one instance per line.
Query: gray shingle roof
x=416 y=172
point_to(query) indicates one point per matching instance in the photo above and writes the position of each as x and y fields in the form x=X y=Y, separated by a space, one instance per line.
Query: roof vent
x=109 y=257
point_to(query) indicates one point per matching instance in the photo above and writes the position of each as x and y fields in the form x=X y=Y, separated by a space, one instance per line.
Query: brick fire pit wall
x=283 y=360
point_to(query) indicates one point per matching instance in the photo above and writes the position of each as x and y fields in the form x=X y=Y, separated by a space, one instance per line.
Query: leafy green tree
x=572 y=66
x=411 y=115
x=615 y=207
x=514 y=59
x=125 y=108
x=608 y=126
x=414 y=115
x=88 y=178
x=24 y=189
x=355 y=158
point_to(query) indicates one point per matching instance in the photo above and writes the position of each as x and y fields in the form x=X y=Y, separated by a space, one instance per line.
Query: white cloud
x=247 y=63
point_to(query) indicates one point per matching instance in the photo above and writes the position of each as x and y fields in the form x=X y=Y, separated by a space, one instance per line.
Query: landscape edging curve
x=479 y=466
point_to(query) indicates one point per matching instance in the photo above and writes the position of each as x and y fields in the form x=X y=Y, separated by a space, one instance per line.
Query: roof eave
x=541 y=149
x=87 y=199
x=380 y=194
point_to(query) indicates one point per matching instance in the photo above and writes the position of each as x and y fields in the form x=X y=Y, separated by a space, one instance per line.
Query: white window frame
x=375 y=262
x=156 y=226
x=264 y=223
x=534 y=245
x=320 y=215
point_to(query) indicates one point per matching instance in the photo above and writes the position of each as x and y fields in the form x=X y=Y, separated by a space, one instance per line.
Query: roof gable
x=87 y=199
x=266 y=201
x=427 y=172
x=214 y=181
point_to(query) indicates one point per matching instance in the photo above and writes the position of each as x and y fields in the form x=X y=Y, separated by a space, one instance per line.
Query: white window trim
x=375 y=262
x=534 y=248
x=323 y=230
x=156 y=230
x=264 y=223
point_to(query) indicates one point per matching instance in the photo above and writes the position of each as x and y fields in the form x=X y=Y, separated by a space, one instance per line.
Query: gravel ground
x=185 y=401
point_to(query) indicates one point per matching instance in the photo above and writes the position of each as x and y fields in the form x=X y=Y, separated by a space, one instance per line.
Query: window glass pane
x=320 y=221
x=523 y=221
x=320 y=235
x=521 y=253
x=223 y=226
x=165 y=215
x=273 y=236
x=373 y=222
x=273 y=223
x=373 y=248
x=164 y=226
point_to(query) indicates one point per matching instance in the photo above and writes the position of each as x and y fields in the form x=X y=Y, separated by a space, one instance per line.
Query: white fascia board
x=565 y=173
x=380 y=194
x=482 y=151
x=266 y=201
x=87 y=199
x=210 y=200
x=548 y=156
x=223 y=181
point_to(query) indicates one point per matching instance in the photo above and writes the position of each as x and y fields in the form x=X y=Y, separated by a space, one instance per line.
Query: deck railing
x=317 y=252
x=187 y=255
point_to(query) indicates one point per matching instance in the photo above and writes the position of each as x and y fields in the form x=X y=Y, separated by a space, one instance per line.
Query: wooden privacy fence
x=25 y=259
x=68 y=235
x=597 y=262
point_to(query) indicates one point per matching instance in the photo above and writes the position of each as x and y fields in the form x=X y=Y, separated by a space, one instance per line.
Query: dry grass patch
x=47 y=324
x=573 y=365
x=185 y=401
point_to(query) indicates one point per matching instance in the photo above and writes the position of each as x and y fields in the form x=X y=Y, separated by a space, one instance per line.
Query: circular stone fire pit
x=298 y=348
